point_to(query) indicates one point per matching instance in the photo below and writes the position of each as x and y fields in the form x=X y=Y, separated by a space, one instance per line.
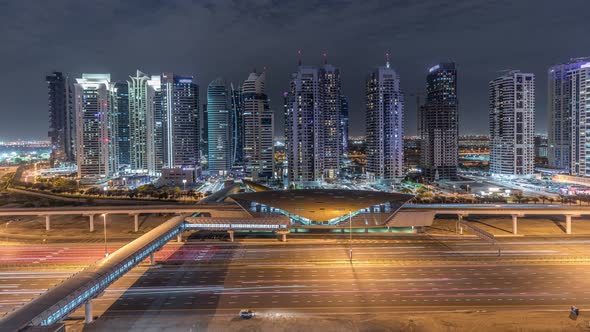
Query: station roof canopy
x=255 y=186
x=320 y=205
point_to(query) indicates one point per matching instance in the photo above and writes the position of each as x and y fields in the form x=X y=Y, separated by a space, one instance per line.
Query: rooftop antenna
x=299 y=56
x=325 y=55
x=387 y=59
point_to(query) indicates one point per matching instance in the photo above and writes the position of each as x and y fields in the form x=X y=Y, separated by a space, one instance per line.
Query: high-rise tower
x=384 y=124
x=141 y=124
x=122 y=101
x=305 y=155
x=96 y=126
x=313 y=110
x=204 y=146
x=237 y=125
x=330 y=107
x=512 y=124
x=568 y=103
x=440 y=124
x=258 y=128
x=219 y=128
x=180 y=120
x=344 y=123
x=62 y=121
x=158 y=123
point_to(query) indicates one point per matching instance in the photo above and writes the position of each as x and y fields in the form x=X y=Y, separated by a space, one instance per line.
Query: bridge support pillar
x=47 y=223
x=88 y=312
x=568 y=224
x=231 y=235
x=514 y=224
x=458 y=224
x=136 y=222
x=179 y=237
x=152 y=260
x=91 y=217
x=284 y=237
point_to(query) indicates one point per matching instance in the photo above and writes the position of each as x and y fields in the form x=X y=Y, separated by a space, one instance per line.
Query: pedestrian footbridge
x=62 y=300
x=59 y=302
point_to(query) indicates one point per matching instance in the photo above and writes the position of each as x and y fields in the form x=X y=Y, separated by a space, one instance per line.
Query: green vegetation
x=5 y=181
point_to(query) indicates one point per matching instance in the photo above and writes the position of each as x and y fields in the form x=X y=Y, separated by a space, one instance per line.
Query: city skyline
x=317 y=165
x=479 y=63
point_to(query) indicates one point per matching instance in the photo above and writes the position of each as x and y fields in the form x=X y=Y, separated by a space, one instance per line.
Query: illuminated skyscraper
x=204 y=132
x=141 y=124
x=62 y=122
x=331 y=108
x=313 y=109
x=219 y=128
x=305 y=154
x=512 y=124
x=385 y=124
x=237 y=125
x=440 y=124
x=158 y=122
x=180 y=120
x=122 y=102
x=96 y=126
x=258 y=128
x=344 y=123
x=569 y=124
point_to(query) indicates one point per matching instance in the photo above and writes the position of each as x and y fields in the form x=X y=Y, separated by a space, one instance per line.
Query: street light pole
x=350 y=234
x=104 y=223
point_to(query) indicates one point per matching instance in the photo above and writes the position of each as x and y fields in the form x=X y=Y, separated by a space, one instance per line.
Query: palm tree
x=406 y=191
x=543 y=198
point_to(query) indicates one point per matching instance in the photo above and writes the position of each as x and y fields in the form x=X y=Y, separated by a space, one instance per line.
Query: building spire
x=299 y=57
x=387 y=59
x=325 y=55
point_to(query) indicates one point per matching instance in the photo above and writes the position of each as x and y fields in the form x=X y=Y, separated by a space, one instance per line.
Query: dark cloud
x=230 y=38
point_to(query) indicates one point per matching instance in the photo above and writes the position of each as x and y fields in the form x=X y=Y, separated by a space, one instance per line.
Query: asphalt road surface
x=307 y=274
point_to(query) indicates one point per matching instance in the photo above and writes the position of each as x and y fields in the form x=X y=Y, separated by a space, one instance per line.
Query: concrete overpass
x=91 y=211
x=513 y=210
x=408 y=215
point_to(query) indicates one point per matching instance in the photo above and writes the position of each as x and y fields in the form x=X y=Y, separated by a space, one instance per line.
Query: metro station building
x=323 y=207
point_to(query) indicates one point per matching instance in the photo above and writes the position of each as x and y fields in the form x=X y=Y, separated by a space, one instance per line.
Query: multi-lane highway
x=315 y=275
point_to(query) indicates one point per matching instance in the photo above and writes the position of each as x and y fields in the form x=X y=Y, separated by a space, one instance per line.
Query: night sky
x=230 y=38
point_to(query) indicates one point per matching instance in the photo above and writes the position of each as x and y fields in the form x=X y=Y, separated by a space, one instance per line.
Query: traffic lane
x=263 y=254
x=347 y=289
x=249 y=284
x=415 y=248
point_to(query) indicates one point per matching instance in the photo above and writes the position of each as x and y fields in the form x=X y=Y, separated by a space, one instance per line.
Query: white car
x=246 y=313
